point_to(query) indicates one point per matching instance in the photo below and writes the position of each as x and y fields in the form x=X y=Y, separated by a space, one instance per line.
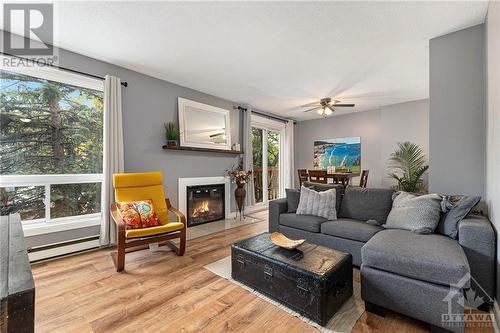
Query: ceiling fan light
x=321 y=111
x=328 y=111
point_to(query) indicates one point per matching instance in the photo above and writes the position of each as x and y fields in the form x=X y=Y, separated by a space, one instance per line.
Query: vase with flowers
x=239 y=177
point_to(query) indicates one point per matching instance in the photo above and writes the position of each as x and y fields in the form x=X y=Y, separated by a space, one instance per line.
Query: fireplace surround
x=185 y=183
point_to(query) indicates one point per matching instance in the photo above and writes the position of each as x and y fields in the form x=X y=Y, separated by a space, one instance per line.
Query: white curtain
x=289 y=168
x=248 y=154
x=113 y=153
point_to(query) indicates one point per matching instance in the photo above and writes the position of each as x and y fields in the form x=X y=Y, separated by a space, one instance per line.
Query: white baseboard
x=63 y=250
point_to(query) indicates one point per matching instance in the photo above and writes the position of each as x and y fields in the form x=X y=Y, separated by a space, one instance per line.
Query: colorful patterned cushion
x=138 y=214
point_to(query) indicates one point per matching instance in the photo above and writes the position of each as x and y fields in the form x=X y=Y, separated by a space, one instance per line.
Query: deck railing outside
x=273 y=185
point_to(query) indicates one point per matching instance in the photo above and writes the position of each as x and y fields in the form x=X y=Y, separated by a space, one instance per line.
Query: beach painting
x=341 y=153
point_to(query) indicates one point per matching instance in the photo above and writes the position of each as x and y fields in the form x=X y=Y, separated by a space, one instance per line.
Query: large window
x=51 y=145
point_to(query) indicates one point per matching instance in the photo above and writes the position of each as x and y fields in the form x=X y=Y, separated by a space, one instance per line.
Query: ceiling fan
x=326 y=106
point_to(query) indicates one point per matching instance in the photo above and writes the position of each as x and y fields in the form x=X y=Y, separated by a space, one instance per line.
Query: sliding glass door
x=257 y=144
x=267 y=142
x=273 y=164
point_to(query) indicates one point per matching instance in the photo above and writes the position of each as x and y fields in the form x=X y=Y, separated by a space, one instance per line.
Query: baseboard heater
x=63 y=248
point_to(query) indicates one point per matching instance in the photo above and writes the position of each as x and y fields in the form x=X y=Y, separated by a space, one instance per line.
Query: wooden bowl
x=282 y=241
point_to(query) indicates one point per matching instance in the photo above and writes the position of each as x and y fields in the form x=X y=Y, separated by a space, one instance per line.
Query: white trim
x=34 y=180
x=265 y=166
x=288 y=156
x=33 y=228
x=281 y=162
x=55 y=74
x=263 y=122
x=183 y=126
x=185 y=182
x=46 y=202
x=63 y=249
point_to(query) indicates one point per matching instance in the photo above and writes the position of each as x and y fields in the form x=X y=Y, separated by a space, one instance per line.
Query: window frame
x=54 y=74
x=47 y=224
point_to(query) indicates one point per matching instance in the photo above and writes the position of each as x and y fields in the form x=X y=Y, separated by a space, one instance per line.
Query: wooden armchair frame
x=125 y=245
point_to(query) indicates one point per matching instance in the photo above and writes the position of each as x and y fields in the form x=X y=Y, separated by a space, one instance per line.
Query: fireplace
x=205 y=203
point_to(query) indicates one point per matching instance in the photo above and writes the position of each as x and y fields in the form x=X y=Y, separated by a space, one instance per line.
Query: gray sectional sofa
x=421 y=276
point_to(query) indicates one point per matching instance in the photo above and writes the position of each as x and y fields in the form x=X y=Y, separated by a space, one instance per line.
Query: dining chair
x=341 y=179
x=132 y=187
x=318 y=176
x=303 y=176
x=364 y=178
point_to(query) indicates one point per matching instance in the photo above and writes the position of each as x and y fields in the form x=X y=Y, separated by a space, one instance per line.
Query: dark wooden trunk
x=17 y=289
x=312 y=280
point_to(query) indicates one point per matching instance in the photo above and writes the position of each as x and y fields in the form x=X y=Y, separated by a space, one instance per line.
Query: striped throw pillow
x=317 y=203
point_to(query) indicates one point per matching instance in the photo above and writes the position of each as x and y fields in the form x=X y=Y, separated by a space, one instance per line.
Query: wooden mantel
x=206 y=150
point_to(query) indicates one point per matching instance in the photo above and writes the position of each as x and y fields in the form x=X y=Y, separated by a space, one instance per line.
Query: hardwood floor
x=160 y=292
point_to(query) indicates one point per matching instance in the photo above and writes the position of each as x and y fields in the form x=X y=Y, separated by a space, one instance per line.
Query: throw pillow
x=415 y=213
x=366 y=203
x=317 y=203
x=459 y=207
x=292 y=199
x=339 y=190
x=138 y=214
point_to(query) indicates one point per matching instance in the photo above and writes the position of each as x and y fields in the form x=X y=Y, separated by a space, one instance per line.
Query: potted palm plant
x=171 y=133
x=407 y=165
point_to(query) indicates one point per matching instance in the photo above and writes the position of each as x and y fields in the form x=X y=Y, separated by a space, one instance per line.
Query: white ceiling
x=274 y=56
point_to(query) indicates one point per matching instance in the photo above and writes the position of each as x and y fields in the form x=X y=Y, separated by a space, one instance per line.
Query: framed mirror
x=203 y=126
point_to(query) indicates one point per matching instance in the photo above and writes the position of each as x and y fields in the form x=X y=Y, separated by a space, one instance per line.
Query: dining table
x=343 y=178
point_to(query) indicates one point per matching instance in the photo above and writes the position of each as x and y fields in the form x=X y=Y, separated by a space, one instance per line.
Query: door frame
x=265 y=125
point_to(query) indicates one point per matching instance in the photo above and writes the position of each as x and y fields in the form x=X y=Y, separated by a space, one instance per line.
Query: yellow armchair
x=143 y=186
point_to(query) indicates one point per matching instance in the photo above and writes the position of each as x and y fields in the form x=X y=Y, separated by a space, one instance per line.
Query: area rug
x=342 y=321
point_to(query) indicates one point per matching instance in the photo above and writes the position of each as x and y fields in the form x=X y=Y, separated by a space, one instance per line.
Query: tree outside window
x=48 y=127
x=273 y=148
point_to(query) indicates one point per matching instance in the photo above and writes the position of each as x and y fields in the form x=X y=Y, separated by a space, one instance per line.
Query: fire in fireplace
x=205 y=203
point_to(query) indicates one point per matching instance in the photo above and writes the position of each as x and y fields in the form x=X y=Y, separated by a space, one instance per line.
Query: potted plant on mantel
x=171 y=134
x=241 y=178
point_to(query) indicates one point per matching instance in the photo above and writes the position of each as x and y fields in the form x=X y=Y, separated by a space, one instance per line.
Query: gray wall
x=493 y=121
x=363 y=124
x=380 y=130
x=457 y=113
x=147 y=104
x=403 y=122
